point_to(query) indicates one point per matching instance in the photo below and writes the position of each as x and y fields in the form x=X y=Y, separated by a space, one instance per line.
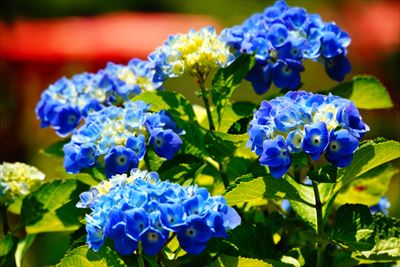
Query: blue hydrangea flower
x=197 y=53
x=115 y=138
x=141 y=208
x=276 y=155
x=64 y=103
x=305 y=122
x=382 y=206
x=281 y=38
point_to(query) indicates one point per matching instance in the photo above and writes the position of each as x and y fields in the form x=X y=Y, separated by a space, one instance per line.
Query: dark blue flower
x=260 y=77
x=87 y=156
x=165 y=142
x=194 y=236
x=71 y=152
x=276 y=156
x=65 y=119
x=277 y=35
x=137 y=144
x=137 y=222
x=124 y=243
x=330 y=45
x=288 y=33
x=153 y=241
x=341 y=148
x=315 y=140
x=94 y=238
x=172 y=216
x=337 y=67
x=216 y=224
x=120 y=160
x=349 y=117
x=295 y=18
x=286 y=74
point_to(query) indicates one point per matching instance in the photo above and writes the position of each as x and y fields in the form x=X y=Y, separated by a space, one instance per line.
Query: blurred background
x=43 y=40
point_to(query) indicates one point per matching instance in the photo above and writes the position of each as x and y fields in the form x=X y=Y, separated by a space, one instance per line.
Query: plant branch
x=204 y=95
x=318 y=208
x=224 y=176
x=140 y=256
x=4 y=227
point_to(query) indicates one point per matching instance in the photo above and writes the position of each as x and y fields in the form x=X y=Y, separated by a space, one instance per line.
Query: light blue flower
x=141 y=208
x=115 y=139
x=305 y=122
x=66 y=102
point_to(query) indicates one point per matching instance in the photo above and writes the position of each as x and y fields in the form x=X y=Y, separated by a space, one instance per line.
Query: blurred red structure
x=118 y=36
x=35 y=53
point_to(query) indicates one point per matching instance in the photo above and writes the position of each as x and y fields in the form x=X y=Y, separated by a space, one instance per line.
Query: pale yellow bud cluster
x=17 y=179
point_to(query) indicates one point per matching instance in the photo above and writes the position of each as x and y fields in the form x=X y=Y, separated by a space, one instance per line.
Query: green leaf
x=96 y=174
x=8 y=245
x=325 y=174
x=366 y=92
x=370 y=155
x=354 y=227
x=233 y=113
x=232 y=261
x=308 y=213
x=369 y=187
x=153 y=161
x=387 y=241
x=56 y=149
x=238 y=166
x=261 y=245
x=174 y=103
x=183 y=166
x=248 y=188
x=15 y=206
x=52 y=207
x=83 y=256
x=22 y=248
x=221 y=146
x=183 y=114
x=226 y=80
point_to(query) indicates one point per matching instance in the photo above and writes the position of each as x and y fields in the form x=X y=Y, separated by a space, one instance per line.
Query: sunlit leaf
x=366 y=92
x=83 y=256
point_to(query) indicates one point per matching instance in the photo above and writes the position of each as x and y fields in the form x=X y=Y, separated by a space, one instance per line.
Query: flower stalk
x=204 y=96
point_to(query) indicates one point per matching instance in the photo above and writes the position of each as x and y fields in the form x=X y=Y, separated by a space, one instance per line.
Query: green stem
x=3 y=221
x=204 y=95
x=318 y=207
x=224 y=176
x=320 y=254
x=140 y=256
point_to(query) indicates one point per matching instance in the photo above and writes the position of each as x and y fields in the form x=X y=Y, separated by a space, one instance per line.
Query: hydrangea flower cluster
x=141 y=208
x=116 y=137
x=17 y=179
x=382 y=206
x=67 y=101
x=281 y=38
x=305 y=122
x=197 y=53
